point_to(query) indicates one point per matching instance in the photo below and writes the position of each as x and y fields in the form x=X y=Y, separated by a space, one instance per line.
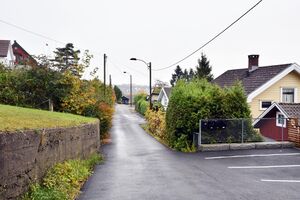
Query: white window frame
x=284 y=121
x=260 y=104
x=295 y=94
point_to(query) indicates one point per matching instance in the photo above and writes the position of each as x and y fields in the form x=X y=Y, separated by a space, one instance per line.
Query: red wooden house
x=280 y=122
x=22 y=57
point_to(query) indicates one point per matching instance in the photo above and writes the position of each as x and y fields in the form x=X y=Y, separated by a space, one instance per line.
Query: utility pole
x=109 y=80
x=104 y=64
x=150 y=88
x=130 y=90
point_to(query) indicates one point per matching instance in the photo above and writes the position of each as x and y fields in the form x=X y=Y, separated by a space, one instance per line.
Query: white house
x=163 y=96
x=6 y=53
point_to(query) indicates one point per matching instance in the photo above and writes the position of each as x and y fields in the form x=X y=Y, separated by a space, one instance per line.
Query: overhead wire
x=31 y=32
x=159 y=69
x=212 y=39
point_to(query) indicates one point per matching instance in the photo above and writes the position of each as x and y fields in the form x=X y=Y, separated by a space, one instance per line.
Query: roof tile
x=250 y=80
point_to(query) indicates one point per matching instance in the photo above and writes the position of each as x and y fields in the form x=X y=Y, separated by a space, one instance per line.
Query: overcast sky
x=160 y=31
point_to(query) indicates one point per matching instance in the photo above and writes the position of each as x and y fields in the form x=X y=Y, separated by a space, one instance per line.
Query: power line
x=31 y=32
x=189 y=55
x=41 y=35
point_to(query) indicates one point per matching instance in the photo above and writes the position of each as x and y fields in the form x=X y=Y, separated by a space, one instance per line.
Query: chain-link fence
x=244 y=130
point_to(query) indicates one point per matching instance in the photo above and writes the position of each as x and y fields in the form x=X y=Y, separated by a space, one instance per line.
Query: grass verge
x=64 y=180
x=14 y=118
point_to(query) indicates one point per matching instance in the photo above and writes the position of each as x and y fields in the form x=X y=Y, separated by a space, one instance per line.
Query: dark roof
x=250 y=80
x=4 y=44
x=168 y=91
x=292 y=109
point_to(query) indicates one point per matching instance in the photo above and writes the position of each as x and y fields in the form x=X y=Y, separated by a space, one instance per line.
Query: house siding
x=294 y=132
x=164 y=101
x=273 y=93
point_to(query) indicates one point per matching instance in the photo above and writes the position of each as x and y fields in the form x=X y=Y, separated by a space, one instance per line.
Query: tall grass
x=64 y=180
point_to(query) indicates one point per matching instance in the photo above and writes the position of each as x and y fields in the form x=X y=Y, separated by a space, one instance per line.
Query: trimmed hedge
x=197 y=100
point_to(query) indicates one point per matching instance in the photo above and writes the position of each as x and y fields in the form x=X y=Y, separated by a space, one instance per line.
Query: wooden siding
x=294 y=131
x=273 y=93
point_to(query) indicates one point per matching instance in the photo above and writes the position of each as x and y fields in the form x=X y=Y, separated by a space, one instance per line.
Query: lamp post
x=150 y=88
x=130 y=88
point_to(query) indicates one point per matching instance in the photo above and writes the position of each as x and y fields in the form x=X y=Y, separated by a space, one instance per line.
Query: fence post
x=242 y=130
x=282 y=133
x=50 y=105
x=199 y=135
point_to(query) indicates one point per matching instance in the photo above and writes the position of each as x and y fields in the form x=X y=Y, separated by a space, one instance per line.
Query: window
x=280 y=120
x=265 y=104
x=288 y=95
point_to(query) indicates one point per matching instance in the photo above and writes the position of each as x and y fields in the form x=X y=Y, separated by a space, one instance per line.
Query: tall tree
x=176 y=76
x=203 y=69
x=67 y=59
x=118 y=93
x=191 y=74
x=185 y=75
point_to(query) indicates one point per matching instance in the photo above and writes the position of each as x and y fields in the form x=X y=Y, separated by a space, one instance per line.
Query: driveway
x=138 y=167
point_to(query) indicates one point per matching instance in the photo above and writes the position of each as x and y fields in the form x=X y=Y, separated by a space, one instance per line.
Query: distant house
x=265 y=85
x=13 y=55
x=155 y=93
x=280 y=121
x=22 y=57
x=125 y=100
x=6 y=53
x=164 y=96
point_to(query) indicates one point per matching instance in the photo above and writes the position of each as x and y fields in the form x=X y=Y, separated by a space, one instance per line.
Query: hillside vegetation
x=17 y=118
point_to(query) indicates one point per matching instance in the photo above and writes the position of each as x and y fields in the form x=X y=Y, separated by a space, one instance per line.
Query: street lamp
x=130 y=88
x=149 y=67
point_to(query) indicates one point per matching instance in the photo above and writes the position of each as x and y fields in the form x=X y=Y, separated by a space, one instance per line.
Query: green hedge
x=141 y=104
x=197 y=100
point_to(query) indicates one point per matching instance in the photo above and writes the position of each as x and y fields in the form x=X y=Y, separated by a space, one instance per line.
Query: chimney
x=253 y=62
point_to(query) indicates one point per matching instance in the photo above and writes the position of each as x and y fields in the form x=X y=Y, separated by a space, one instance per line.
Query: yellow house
x=265 y=84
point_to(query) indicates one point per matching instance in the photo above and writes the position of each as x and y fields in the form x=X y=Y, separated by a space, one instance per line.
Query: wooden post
x=50 y=105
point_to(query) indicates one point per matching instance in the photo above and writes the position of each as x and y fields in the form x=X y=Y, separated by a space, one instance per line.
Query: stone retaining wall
x=26 y=156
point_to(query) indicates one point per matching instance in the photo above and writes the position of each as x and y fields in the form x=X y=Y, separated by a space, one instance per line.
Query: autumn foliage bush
x=156 y=123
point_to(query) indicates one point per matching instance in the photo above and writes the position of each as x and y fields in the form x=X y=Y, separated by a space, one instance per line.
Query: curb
x=246 y=146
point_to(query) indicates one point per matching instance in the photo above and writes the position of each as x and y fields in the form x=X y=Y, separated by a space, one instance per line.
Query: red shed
x=279 y=121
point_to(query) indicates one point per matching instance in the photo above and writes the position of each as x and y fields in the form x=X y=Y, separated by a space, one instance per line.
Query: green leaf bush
x=141 y=105
x=199 y=99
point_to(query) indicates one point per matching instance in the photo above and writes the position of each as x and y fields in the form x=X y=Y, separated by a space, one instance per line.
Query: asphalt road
x=138 y=167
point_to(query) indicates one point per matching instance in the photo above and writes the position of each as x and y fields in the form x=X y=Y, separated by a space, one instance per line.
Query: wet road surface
x=138 y=167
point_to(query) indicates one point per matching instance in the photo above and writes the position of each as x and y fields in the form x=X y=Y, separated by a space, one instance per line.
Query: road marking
x=280 y=181
x=252 y=155
x=263 y=167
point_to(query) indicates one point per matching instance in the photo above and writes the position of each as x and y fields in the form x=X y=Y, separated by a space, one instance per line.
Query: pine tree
x=118 y=93
x=191 y=74
x=185 y=75
x=67 y=59
x=203 y=69
x=178 y=75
